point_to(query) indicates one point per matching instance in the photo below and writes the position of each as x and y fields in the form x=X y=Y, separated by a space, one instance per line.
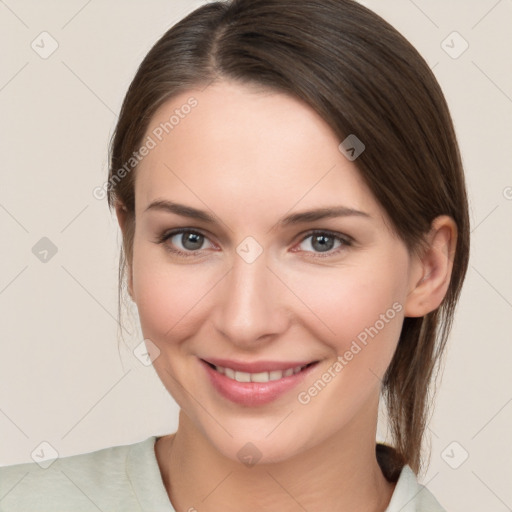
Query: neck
x=341 y=474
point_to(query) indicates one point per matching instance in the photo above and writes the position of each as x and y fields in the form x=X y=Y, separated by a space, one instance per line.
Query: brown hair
x=362 y=77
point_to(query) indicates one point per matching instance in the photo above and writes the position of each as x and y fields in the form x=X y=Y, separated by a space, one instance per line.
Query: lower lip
x=254 y=393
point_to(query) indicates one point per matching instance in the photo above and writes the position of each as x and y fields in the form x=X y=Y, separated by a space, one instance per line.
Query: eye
x=184 y=241
x=324 y=242
x=189 y=242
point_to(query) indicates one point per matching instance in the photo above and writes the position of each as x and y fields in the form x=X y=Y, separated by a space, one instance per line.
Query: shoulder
x=410 y=496
x=89 y=481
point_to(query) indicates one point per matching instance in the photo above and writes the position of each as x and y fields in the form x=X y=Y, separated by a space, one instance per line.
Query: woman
x=295 y=237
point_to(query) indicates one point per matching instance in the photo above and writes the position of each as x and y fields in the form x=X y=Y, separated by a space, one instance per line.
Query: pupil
x=325 y=242
x=191 y=241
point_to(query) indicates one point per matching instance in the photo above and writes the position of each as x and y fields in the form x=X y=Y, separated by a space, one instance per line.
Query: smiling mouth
x=260 y=376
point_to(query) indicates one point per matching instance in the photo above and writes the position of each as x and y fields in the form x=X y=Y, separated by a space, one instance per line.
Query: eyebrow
x=294 y=218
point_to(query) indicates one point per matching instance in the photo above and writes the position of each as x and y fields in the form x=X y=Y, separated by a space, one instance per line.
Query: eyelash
x=346 y=241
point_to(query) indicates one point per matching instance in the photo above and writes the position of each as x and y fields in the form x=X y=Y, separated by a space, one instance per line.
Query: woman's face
x=255 y=285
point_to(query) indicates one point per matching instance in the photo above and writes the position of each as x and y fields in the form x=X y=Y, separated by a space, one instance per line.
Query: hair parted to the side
x=362 y=77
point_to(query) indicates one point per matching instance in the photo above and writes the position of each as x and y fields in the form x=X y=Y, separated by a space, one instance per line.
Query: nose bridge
x=250 y=305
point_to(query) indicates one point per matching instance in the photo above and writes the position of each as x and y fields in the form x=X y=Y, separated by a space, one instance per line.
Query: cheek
x=358 y=311
x=167 y=296
x=349 y=299
x=364 y=313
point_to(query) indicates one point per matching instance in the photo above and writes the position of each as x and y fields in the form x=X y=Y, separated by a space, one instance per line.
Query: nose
x=251 y=304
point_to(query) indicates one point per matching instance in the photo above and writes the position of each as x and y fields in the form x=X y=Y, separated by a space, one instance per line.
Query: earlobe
x=434 y=267
x=122 y=215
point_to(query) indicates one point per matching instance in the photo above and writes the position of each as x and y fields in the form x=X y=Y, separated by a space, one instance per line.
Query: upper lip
x=257 y=366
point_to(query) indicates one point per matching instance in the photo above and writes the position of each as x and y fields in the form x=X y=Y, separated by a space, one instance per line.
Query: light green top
x=127 y=478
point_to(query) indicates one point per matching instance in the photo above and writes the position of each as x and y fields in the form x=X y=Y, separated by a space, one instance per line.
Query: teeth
x=229 y=373
x=258 y=377
x=275 y=375
x=243 y=377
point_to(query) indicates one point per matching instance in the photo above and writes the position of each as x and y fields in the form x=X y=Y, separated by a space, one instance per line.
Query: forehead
x=246 y=148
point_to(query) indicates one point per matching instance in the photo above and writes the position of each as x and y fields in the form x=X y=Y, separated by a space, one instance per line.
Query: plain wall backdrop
x=64 y=71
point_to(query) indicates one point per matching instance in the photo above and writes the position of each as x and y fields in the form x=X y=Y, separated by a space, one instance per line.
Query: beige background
x=62 y=379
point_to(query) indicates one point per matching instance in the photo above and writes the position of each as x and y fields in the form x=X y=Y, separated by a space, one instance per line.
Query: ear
x=122 y=215
x=432 y=270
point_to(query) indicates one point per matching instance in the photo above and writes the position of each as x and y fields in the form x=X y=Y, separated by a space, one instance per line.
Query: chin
x=259 y=448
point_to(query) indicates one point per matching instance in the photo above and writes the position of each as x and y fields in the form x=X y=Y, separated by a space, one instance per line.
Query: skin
x=249 y=157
